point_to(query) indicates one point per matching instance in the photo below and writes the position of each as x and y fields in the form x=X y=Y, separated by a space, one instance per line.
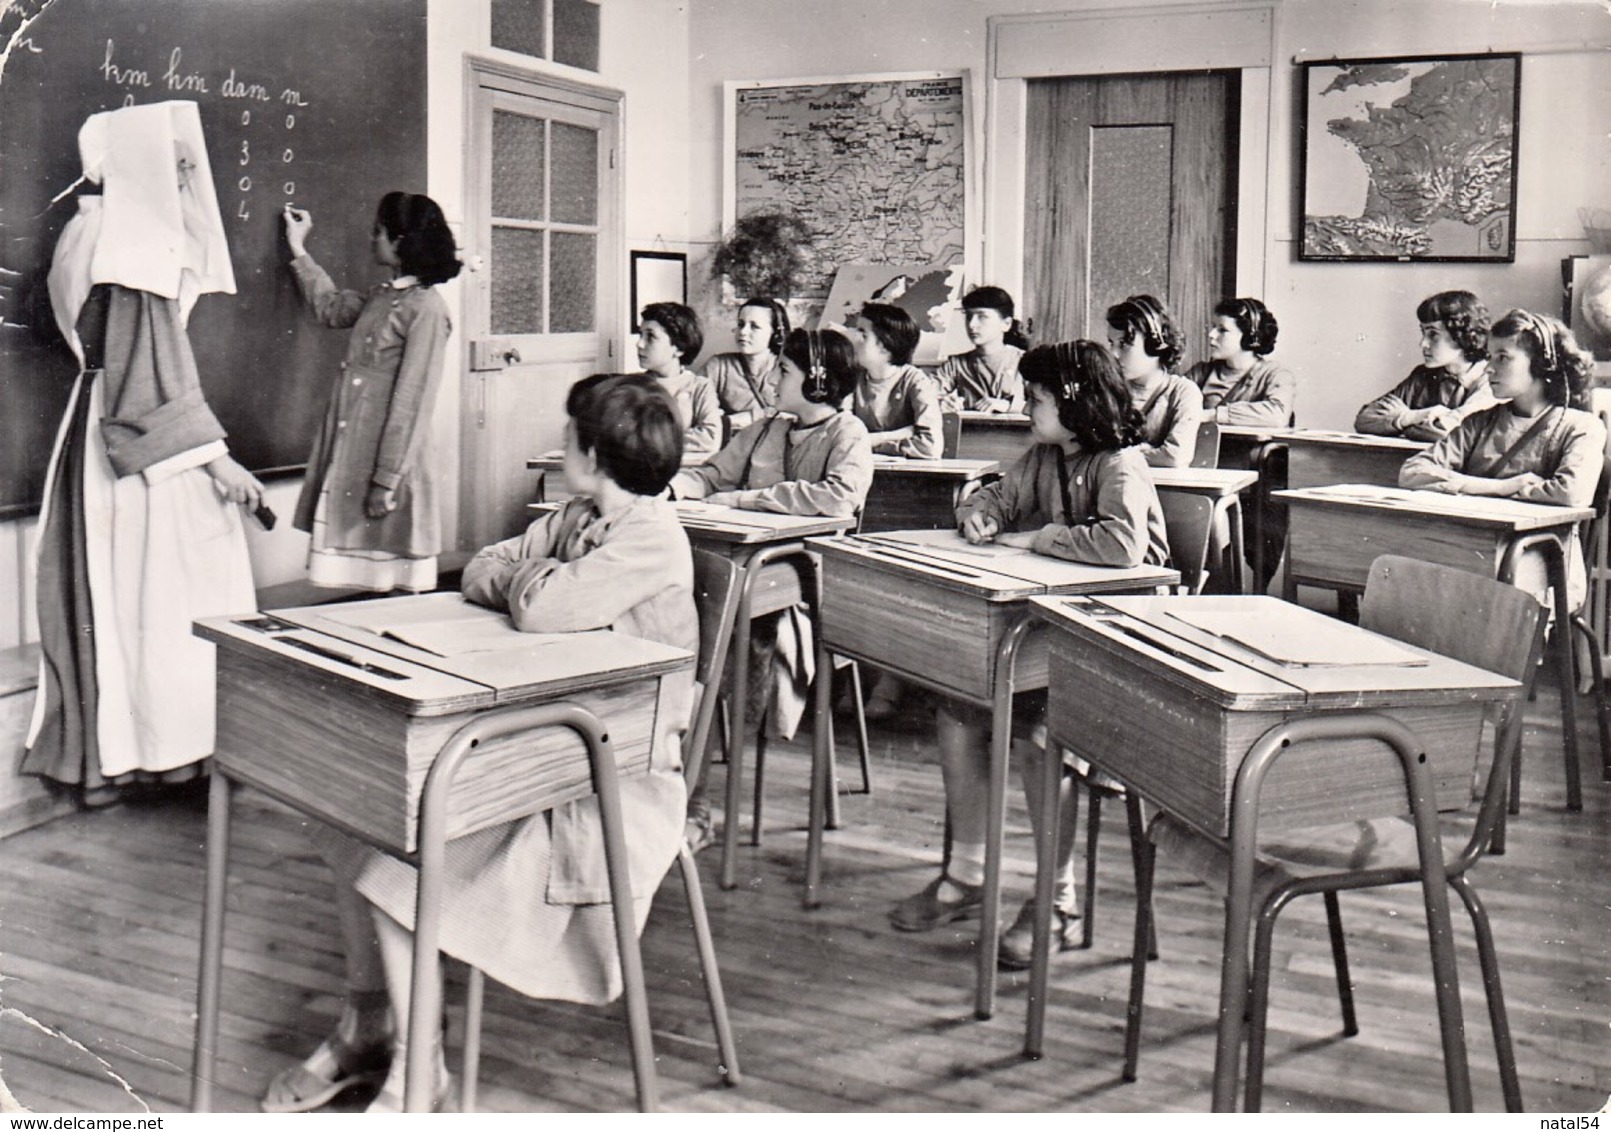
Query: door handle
x=510 y=356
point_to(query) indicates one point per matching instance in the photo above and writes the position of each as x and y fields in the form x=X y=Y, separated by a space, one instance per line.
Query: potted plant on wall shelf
x=761 y=255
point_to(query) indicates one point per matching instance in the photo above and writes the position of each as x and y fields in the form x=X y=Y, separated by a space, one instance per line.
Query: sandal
x=441 y=1101
x=326 y=1073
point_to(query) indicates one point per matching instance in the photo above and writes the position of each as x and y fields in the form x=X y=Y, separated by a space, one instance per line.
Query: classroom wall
x=645 y=53
x=1347 y=329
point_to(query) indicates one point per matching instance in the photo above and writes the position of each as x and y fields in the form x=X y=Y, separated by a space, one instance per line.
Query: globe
x=1596 y=302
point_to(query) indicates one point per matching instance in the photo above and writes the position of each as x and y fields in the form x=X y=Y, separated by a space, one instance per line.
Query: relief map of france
x=874 y=168
x=1411 y=159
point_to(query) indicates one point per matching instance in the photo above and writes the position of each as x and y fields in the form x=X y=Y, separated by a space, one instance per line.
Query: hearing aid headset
x=816 y=382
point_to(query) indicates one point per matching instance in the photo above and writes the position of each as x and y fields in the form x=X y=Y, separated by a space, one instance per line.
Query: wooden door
x=1130 y=188
x=543 y=213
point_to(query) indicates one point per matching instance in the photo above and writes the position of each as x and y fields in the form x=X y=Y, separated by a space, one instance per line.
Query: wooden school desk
x=1335 y=533
x=370 y=733
x=777 y=574
x=1170 y=706
x=922 y=494
x=1252 y=447
x=1224 y=486
x=950 y=616
x=1318 y=458
x=992 y=436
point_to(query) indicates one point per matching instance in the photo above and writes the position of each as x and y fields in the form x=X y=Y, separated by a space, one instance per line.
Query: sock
x=366 y=1018
x=967 y=862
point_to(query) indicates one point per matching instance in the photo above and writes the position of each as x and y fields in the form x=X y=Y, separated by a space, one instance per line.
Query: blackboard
x=319 y=103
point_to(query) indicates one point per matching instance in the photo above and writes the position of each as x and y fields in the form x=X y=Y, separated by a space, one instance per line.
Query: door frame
x=1116 y=41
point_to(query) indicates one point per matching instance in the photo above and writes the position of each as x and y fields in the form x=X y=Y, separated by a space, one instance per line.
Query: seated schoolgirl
x=746 y=380
x=1451 y=384
x=813 y=458
x=1542 y=446
x=669 y=337
x=1239 y=382
x=528 y=902
x=1147 y=345
x=986 y=378
x=895 y=400
x=1081 y=492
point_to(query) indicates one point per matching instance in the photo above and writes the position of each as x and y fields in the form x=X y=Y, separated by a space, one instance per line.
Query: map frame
x=972 y=221
x=1499 y=229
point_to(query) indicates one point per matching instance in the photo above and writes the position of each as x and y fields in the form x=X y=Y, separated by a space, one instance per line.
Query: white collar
x=404 y=282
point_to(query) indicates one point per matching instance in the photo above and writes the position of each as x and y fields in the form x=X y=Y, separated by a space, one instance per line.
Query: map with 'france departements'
x=874 y=168
x=1415 y=159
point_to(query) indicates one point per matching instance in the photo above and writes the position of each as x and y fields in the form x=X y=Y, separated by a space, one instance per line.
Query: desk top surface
x=1205 y=481
x=432 y=654
x=1510 y=514
x=1326 y=437
x=707 y=522
x=555 y=460
x=951 y=467
x=994 y=573
x=1260 y=653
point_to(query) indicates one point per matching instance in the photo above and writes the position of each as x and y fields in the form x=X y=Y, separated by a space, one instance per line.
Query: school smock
x=134 y=541
x=528 y=902
x=1567 y=451
x=968 y=381
x=1100 y=508
x=698 y=409
x=907 y=397
x=1265 y=396
x=744 y=399
x=778 y=464
x=1172 y=413
x=375 y=429
x=1426 y=386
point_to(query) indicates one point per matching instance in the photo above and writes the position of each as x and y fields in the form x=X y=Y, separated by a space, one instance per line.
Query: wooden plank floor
x=100 y=914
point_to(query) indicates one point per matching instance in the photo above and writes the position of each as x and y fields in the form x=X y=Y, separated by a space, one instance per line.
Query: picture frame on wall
x=1409 y=159
x=657 y=277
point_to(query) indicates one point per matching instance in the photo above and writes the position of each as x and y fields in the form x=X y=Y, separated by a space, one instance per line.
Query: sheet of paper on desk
x=1305 y=642
x=952 y=543
x=442 y=624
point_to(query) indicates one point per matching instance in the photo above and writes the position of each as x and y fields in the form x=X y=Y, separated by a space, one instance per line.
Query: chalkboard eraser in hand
x=264 y=516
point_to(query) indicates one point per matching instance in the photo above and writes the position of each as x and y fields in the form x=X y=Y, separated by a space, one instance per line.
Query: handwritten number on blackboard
x=246 y=184
x=290 y=121
x=246 y=117
x=246 y=152
x=241 y=212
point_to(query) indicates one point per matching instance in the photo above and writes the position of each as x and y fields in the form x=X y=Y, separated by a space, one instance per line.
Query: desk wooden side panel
x=1322 y=465
x=1183 y=752
x=1335 y=545
x=943 y=637
x=911 y=503
x=301 y=735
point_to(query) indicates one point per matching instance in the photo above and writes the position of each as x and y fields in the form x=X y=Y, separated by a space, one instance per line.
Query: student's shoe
x=698 y=832
x=926 y=910
x=326 y=1073
x=1016 y=951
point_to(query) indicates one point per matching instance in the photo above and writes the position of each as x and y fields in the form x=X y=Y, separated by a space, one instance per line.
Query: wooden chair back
x=1206 y=454
x=1471 y=618
x=716 y=584
x=950 y=434
x=1189 y=520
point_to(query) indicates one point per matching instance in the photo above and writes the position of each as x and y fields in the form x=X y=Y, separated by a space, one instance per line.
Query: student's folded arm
x=704 y=431
x=1116 y=535
x=1578 y=472
x=1180 y=442
x=487 y=576
x=546 y=595
x=926 y=440
x=1273 y=410
x=1386 y=415
x=723 y=471
x=1002 y=500
x=1438 y=464
x=841 y=491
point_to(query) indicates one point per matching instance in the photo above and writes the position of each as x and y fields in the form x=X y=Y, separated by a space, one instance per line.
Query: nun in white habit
x=140 y=530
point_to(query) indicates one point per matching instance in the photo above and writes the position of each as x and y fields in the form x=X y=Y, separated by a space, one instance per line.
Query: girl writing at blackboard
x=139 y=532
x=370 y=498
